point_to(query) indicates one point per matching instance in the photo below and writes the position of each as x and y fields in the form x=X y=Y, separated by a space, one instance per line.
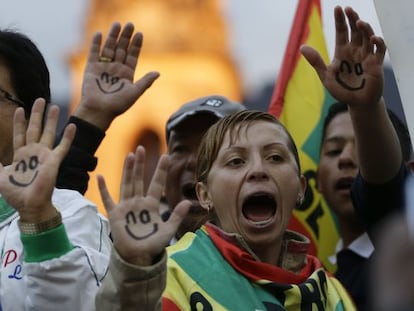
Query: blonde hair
x=214 y=137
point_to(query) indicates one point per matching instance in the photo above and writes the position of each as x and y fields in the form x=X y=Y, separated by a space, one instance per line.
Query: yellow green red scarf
x=207 y=272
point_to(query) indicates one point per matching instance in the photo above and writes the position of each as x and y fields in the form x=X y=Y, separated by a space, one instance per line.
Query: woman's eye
x=276 y=158
x=235 y=162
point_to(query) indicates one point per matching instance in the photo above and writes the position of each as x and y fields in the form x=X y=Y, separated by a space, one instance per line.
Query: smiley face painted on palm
x=25 y=172
x=109 y=84
x=134 y=225
x=347 y=73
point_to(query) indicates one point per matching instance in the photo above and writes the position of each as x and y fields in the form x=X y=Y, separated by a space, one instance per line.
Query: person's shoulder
x=70 y=201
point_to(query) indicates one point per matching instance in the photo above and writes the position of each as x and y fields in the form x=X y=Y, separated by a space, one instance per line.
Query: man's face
x=7 y=109
x=182 y=147
x=338 y=165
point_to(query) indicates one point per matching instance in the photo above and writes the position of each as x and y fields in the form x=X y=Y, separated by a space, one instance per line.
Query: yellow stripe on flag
x=300 y=102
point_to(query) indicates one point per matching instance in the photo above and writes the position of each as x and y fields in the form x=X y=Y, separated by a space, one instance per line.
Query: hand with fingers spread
x=138 y=232
x=27 y=184
x=355 y=75
x=108 y=88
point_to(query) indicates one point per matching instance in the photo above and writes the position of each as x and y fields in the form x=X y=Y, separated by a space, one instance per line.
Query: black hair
x=335 y=109
x=399 y=126
x=29 y=74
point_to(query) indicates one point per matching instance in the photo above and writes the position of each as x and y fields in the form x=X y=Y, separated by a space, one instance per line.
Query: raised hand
x=355 y=75
x=138 y=232
x=108 y=88
x=27 y=184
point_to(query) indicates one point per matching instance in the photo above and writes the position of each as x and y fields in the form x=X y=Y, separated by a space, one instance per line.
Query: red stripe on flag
x=297 y=37
x=168 y=305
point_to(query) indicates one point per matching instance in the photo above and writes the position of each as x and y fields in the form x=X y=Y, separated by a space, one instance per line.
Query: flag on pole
x=300 y=102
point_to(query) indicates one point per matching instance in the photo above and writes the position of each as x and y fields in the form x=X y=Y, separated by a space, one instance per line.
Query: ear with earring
x=209 y=207
x=299 y=200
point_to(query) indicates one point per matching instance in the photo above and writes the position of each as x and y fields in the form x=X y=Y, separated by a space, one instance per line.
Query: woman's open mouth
x=259 y=208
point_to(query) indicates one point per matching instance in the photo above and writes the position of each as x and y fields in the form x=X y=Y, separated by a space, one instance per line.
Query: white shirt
x=361 y=246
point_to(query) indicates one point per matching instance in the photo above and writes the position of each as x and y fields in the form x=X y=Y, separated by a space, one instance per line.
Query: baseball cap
x=216 y=105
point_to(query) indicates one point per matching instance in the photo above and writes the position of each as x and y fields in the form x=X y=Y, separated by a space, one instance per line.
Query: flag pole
x=296 y=38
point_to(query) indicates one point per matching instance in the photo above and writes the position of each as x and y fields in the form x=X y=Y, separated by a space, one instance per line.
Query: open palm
x=138 y=231
x=108 y=87
x=27 y=184
x=355 y=75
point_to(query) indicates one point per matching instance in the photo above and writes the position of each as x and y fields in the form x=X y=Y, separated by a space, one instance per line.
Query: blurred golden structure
x=187 y=42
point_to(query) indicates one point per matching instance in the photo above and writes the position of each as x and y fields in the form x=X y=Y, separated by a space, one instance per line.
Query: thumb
x=315 y=60
x=178 y=215
x=64 y=145
x=107 y=201
x=145 y=82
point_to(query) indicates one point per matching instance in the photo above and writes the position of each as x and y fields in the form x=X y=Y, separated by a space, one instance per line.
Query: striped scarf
x=208 y=272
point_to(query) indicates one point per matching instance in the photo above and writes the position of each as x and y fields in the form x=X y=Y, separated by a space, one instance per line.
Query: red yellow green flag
x=300 y=102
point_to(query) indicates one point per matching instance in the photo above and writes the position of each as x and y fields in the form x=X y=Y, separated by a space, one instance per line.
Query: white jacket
x=69 y=281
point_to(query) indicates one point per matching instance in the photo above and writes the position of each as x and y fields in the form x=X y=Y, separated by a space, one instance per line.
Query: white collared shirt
x=361 y=246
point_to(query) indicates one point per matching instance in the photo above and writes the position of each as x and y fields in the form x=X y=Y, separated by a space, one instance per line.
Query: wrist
x=95 y=118
x=367 y=106
x=143 y=259
x=36 y=227
x=36 y=214
x=367 y=111
x=88 y=137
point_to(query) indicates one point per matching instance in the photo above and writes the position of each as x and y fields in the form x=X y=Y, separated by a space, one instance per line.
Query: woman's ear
x=303 y=186
x=203 y=196
x=317 y=182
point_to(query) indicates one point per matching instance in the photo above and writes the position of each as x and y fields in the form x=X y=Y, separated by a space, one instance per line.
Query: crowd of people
x=210 y=231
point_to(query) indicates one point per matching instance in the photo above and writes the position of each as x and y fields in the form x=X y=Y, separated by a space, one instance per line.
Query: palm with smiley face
x=138 y=231
x=108 y=87
x=27 y=184
x=355 y=75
